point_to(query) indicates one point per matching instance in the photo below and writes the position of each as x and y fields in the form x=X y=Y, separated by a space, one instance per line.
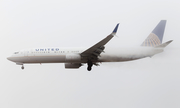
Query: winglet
x=115 y=29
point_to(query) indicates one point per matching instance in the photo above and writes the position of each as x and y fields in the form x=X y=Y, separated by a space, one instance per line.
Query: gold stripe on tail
x=151 y=40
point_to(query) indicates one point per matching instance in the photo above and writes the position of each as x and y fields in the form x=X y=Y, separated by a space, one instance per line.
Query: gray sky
x=146 y=83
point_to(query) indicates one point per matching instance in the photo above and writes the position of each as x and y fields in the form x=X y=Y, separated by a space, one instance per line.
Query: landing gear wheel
x=90 y=64
x=22 y=67
x=89 y=68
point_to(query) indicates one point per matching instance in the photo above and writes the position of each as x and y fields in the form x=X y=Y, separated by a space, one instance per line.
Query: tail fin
x=156 y=36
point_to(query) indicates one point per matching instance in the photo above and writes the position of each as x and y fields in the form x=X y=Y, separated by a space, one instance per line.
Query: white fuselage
x=59 y=55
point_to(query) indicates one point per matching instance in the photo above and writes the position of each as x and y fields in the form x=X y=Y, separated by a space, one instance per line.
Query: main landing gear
x=90 y=64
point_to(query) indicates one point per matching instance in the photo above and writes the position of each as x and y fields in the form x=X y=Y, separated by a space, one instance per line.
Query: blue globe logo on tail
x=156 y=36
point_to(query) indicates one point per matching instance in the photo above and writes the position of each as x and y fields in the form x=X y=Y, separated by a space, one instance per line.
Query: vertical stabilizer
x=156 y=36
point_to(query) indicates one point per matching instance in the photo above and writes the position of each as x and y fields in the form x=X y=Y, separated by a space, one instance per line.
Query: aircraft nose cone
x=9 y=58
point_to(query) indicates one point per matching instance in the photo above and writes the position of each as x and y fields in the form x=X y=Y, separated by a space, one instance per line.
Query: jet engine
x=72 y=65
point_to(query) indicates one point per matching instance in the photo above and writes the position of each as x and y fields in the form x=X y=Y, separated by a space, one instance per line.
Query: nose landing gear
x=22 y=67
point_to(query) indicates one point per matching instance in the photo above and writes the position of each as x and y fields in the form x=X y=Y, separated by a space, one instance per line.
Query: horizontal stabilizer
x=164 y=44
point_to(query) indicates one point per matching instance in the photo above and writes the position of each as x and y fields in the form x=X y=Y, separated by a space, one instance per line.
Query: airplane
x=73 y=58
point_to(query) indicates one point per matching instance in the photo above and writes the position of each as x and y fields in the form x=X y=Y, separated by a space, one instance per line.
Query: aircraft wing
x=95 y=51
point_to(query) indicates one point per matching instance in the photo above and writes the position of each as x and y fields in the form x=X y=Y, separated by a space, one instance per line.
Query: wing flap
x=99 y=47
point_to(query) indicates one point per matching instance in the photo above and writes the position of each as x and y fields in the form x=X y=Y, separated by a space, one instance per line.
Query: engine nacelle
x=73 y=58
x=72 y=65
